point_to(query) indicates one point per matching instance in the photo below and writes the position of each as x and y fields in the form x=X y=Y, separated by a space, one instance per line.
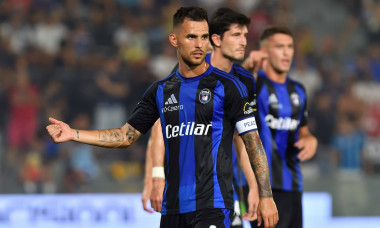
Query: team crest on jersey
x=295 y=99
x=205 y=96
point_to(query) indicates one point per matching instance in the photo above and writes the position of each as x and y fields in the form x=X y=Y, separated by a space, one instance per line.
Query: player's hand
x=59 y=131
x=267 y=213
x=253 y=203
x=254 y=62
x=146 y=195
x=158 y=186
x=308 y=147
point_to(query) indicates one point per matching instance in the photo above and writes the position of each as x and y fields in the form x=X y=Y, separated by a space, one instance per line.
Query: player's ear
x=173 y=39
x=216 y=40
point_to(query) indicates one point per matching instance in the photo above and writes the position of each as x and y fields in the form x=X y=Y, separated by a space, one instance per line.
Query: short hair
x=193 y=13
x=222 y=20
x=271 y=30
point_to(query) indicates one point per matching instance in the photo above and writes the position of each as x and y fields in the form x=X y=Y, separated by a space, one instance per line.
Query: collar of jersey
x=196 y=78
x=263 y=74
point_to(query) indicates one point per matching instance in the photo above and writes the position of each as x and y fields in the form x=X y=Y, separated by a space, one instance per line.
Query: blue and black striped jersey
x=198 y=117
x=249 y=81
x=282 y=110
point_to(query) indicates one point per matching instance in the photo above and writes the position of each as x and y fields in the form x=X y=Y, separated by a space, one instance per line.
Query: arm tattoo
x=259 y=162
x=132 y=134
x=77 y=134
x=111 y=135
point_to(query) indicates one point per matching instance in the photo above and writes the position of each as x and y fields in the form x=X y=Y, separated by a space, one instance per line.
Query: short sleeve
x=146 y=112
x=240 y=109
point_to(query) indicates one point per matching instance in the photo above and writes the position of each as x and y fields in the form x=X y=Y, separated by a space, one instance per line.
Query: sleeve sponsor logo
x=248 y=108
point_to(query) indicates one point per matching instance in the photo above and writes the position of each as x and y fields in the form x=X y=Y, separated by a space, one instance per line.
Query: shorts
x=205 y=218
x=289 y=206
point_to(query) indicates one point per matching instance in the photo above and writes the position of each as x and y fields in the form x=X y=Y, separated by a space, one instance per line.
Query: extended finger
x=145 y=201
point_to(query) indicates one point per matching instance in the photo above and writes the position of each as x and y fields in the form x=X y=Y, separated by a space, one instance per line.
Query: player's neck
x=192 y=71
x=275 y=75
x=221 y=62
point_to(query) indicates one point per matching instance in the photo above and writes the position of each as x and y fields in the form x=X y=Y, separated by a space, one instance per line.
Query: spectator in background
x=113 y=90
x=23 y=99
x=348 y=142
x=307 y=75
x=81 y=165
x=374 y=59
x=50 y=33
x=158 y=64
x=16 y=32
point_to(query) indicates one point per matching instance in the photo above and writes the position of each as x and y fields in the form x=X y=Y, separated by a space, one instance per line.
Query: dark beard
x=191 y=64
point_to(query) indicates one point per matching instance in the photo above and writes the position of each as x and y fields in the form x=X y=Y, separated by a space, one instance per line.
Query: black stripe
x=291 y=150
x=172 y=87
x=276 y=165
x=203 y=155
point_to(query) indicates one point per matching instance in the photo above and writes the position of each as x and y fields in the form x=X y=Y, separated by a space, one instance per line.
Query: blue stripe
x=227 y=219
x=241 y=87
x=187 y=183
x=302 y=97
x=160 y=106
x=217 y=131
x=264 y=130
x=281 y=137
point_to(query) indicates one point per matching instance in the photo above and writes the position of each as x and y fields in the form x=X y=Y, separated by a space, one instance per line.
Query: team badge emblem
x=205 y=96
x=295 y=99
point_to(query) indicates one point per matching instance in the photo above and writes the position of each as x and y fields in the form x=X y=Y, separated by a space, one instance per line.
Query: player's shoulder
x=229 y=81
x=171 y=77
x=296 y=83
x=242 y=71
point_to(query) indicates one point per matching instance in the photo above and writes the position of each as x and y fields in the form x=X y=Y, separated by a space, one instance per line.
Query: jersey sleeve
x=240 y=110
x=146 y=112
x=305 y=115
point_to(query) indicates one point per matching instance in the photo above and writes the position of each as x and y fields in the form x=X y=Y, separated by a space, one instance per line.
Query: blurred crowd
x=88 y=62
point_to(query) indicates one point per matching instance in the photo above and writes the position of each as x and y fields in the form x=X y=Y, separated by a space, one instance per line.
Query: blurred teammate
x=282 y=123
x=199 y=107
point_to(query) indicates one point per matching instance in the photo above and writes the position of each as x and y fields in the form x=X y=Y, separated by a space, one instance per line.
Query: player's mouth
x=198 y=54
x=285 y=62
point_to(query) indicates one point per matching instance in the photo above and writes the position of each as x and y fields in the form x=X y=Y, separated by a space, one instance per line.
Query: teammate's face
x=234 y=42
x=191 y=40
x=280 y=49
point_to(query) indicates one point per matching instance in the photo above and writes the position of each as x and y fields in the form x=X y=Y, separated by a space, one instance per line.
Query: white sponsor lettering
x=281 y=123
x=187 y=129
x=246 y=125
x=172 y=108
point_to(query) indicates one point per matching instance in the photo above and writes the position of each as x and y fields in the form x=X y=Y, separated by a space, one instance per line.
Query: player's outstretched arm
x=158 y=175
x=253 y=195
x=117 y=137
x=307 y=144
x=267 y=211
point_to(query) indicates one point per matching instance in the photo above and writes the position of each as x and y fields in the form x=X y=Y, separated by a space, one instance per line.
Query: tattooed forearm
x=259 y=162
x=77 y=134
x=111 y=136
x=132 y=134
